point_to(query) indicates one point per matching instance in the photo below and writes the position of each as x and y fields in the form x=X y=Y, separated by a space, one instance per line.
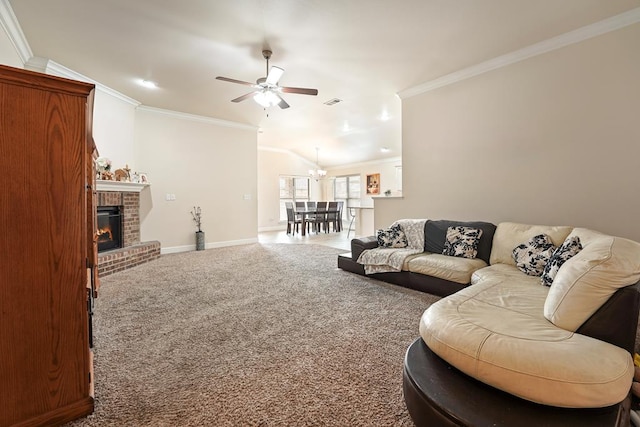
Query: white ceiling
x=361 y=51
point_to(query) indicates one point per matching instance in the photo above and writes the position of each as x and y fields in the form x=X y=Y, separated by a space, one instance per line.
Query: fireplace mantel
x=132 y=187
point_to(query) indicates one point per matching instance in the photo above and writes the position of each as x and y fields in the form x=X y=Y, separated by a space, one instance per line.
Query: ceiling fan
x=267 y=91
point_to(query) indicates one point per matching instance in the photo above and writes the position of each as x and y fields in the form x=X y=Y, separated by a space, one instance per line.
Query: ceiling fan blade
x=282 y=104
x=227 y=79
x=275 y=73
x=299 y=90
x=243 y=97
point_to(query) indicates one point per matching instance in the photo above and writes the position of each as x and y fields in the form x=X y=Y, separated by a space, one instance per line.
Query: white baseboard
x=212 y=245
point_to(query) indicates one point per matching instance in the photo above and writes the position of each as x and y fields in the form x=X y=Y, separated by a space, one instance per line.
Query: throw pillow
x=569 y=248
x=435 y=234
x=392 y=237
x=532 y=256
x=462 y=242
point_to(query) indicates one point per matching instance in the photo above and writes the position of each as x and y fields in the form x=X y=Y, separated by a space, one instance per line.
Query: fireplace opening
x=109 y=228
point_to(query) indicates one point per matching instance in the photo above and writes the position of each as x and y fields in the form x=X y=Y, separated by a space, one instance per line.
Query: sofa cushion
x=533 y=255
x=495 y=332
x=568 y=249
x=462 y=242
x=445 y=267
x=508 y=235
x=502 y=271
x=588 y=279
x=392 y=237
x=435 y=234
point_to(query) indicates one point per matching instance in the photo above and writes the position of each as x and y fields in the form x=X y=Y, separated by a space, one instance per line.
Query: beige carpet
x=255 y=335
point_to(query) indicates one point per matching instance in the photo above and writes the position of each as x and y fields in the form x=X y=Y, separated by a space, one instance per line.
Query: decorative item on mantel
x=103 y=173
x=103 y=168
x=196 y=213
x=123 y=175
x=387 y=193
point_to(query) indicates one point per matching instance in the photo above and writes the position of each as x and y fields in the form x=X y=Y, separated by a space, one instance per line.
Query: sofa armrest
x=360 y=244
x=616 y=321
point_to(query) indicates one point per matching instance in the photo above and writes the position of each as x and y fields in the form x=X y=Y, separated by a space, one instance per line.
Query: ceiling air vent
x=333 y=101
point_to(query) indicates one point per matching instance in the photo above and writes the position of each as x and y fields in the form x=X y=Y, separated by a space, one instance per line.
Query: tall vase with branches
x=196 y=214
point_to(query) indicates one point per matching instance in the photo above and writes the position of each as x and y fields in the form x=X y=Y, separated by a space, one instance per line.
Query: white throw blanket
x=382 y=260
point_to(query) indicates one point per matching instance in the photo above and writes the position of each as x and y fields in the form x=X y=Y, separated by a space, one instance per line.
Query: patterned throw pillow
x=392 y=237
x=462 y=242
x=569 y=248
x=532 y=256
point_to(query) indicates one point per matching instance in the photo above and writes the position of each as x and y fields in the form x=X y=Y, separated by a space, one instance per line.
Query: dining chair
x=320 y=218
x=332 y=216
x=298 y=207
x=311 y=217
x=301 y=206
x=292 y=222
x=339 y=220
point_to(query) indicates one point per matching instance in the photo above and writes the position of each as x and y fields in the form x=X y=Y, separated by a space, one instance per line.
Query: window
x=292 y=188
x=347 y=189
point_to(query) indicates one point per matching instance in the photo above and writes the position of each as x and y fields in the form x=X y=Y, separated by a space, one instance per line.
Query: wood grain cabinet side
x=46 y=261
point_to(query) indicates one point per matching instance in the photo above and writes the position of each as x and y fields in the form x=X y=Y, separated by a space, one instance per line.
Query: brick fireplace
x=126 y=196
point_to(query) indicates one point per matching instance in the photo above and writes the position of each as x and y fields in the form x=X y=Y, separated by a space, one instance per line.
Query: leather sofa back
x=435 y=234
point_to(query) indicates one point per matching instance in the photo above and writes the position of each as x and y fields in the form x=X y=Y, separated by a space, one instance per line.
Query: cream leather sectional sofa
x=511 y=332
x=568 y=345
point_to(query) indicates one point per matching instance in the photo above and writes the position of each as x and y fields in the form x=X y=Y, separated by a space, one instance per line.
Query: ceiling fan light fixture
x=266 y=98
x=267 y=89
x=274 y=75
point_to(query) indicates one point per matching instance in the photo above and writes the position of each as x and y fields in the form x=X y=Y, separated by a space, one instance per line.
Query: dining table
x=304 y=212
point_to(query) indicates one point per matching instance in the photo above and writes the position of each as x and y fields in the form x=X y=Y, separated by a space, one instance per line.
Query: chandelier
x=317 y=173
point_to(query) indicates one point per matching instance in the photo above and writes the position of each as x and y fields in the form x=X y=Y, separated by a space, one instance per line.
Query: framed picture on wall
x=373 y=184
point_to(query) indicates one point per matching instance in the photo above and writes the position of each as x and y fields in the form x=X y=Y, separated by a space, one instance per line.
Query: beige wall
x=113 y=129
x=554 y=139
x=203 y=164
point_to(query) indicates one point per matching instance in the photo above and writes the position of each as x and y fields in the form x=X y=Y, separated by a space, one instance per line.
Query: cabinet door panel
x=43 y=224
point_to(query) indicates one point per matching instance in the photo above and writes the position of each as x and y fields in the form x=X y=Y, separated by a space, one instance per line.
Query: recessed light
x=148 y=84
x=385 y=149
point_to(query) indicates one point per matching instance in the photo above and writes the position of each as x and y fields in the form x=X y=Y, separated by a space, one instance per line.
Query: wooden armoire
x=48 y=257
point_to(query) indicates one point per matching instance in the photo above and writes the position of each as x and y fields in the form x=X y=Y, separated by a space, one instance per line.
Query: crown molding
x=10 y=23
x=196 y=118
x=598 y=28
x=59 y=70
